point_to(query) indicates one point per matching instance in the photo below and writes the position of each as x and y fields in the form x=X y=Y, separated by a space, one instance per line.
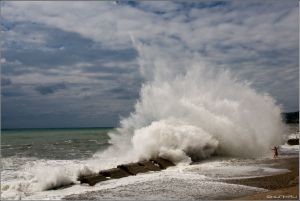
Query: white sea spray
x=188 y=109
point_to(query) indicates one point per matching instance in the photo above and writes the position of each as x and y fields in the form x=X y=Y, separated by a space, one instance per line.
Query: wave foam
x=190 y=110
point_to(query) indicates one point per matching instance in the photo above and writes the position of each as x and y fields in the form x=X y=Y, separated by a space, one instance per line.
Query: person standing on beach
x=275 y=152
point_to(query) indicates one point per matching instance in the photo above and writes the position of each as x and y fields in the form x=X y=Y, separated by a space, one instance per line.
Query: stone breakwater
x=126 y=170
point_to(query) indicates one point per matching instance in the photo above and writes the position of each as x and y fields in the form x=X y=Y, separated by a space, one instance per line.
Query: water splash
x=189 y=109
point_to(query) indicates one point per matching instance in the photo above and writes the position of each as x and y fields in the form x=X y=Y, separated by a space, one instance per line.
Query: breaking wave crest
x=189 y=110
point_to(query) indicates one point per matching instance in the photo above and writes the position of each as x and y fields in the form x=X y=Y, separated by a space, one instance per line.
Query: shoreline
x=283 y=186
x=290 y=193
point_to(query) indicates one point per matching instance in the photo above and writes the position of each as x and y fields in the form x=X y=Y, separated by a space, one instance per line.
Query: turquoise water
x=32 y=159
x=75 y=143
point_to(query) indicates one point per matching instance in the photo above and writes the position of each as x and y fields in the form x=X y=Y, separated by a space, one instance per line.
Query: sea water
x=34 y=159
x=75 y=143
x=188 y=110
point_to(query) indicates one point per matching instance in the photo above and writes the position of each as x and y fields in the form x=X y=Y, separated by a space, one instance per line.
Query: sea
x=34 y=159
x=54 y=144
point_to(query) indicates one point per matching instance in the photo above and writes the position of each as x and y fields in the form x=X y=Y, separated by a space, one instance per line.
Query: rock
x=114 y=173
x=150 y=165
x=91 y=179
x=133 y=168
x=293 y=141
x=123 y=170
x=291 y=117
x=61 y=186
x=163 y=163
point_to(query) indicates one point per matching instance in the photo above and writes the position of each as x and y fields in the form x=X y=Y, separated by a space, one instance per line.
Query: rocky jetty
x=126 y=170
x=294 y=141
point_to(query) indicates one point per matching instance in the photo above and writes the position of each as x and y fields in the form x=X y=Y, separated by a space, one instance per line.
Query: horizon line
x=2 y=129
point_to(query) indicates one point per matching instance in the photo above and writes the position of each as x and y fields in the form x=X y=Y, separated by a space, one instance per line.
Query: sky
x=74 y=64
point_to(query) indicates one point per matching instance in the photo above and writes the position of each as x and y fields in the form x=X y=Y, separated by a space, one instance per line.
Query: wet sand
x=290 y=193
x=282 y=186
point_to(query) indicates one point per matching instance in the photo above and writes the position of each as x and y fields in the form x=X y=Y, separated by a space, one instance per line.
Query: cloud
x=50 y=89
x=5 y=82
x=6 y=93
x=11 y=90
x=89 y=45
x=124 y=93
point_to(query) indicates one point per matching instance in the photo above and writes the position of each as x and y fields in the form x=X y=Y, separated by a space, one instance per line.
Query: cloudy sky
x=74 y=64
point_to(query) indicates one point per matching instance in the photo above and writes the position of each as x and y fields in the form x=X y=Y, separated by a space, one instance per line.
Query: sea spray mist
x=189 y=110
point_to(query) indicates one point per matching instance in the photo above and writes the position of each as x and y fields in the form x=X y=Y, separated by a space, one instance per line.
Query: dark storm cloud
x=58 y=49
x=12 y=68
x=111 y=70
x=11 y=90
x=51 y=88
x=66 y=57
x=93 y=53
x=5 y=82
x=31 y=112
x=124 y=93
x=6 y=93
x=57 y=56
